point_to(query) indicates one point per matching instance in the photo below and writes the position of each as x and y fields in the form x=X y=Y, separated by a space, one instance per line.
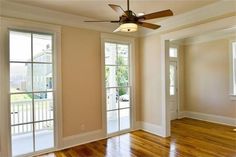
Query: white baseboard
x=83 y=138
x=152 y=128
x=209 y=118
x=96 y=135
x=181 y=114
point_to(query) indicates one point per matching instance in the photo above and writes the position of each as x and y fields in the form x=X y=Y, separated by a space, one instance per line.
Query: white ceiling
x=99 y=9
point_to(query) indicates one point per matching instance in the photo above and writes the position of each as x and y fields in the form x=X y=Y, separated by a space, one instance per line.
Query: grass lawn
x=19 y=97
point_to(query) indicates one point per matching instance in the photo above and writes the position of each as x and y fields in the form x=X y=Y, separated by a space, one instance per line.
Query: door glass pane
x=42 y=77
x=42 y=48
x=110 y=76
x=124 y=119
x=124 y=97
x=172 y=80
x=112 y=98
x=123 y=76
x=20 y=46
x=44 y=136
x=43 y=106
x=112 y=121
x=110 y=54
x=32 y=116
x=22 y=139
x=21 y=110
x=123 y=54
x=117 y=90
x=173 y=52
x=20 y=77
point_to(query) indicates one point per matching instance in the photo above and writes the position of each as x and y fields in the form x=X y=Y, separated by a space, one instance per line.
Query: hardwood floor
x=189 y=138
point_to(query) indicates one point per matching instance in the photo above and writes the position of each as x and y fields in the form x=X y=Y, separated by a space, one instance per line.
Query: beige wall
x=151 y=79
x=81 y=81
x=207 y=78
x=214 y=94
x=181 y=78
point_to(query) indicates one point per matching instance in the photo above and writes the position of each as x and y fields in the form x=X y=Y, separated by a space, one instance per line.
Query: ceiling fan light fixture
x=129 y=21
x=140 y=14
x=128 y=27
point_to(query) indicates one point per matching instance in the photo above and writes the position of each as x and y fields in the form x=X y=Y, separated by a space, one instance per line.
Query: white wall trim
x=213 y=36
x=152 y=128
x=204 y=13
x=21 y=11
x=181 y=114
x=82 y=138
x=209 y=118
x=17 y=10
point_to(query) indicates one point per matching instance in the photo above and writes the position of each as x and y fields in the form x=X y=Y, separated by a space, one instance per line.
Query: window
x=31 y=91
x=233 y=68
x=173 y=52
x=117 y=86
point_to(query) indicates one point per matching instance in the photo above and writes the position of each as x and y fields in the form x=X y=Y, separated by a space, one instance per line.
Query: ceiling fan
x=129 y=21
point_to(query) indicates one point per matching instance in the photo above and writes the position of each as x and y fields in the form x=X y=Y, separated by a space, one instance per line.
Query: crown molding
x=16 y=10
x=204 y=13
x=228 y=34
x=22 y=11
x=27 y=12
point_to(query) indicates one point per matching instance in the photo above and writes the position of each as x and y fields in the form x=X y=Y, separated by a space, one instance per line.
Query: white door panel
x=173 y=91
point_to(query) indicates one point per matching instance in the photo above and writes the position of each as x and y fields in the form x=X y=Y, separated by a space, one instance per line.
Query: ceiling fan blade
x=104 y=21
x=148 y=25
x=159 y=14
x=118 y=9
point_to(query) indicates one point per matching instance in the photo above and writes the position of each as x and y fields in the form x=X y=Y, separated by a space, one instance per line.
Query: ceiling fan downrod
x=128 y=5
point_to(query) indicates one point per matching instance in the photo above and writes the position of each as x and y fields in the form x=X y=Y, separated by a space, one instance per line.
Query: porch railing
x=22 y=113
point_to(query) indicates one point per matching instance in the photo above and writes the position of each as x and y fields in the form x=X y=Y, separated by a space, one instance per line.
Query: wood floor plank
x=189 y=138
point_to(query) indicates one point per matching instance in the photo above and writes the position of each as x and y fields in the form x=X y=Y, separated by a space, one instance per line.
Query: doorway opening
x=173 y=81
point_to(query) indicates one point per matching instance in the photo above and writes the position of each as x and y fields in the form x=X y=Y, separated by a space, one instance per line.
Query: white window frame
x=5 y=25
x=232 y=71
x=105 y=37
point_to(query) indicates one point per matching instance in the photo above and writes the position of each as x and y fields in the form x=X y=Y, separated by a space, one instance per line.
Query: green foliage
x=122 y=75
x=20 y=97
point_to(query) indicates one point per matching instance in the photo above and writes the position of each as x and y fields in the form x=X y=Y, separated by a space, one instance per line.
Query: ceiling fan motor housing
x=128 y=17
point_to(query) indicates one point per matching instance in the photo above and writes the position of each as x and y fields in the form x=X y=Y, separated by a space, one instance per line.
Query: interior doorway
x=173 y=81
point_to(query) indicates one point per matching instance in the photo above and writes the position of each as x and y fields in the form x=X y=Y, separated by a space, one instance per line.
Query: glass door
x=117 y=85
x=173 y=82
x=31 y=92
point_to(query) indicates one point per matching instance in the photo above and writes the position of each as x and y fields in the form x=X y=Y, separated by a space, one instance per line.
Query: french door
x=117 y=87
x=31 y=92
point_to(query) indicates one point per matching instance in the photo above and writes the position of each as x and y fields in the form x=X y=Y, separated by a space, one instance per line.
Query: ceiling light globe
x=128 y=27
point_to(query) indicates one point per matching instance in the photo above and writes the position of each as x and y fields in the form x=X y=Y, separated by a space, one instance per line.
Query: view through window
x=31 y=91
x=117 y=68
